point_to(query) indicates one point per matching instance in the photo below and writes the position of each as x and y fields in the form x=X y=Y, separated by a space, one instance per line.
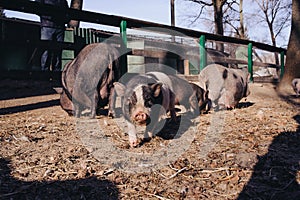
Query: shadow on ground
x=12 y=89
x=89 y=188
x=275 y=173
x=23 y=108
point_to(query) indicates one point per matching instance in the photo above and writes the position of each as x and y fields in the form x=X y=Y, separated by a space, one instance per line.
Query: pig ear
x=119 y=88
x=59 y=90
x=156 y=88
x=202 y=84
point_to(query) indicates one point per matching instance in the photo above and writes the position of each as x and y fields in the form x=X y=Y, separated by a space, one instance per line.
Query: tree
x=292 y=67
x=241 y=31
x=223 y=13
x=276 y=14
x=236 y=22
x=75 y=4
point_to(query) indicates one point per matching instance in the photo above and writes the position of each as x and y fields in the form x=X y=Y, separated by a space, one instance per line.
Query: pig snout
x=133 y=143
x=140 y=118
x=296 y=86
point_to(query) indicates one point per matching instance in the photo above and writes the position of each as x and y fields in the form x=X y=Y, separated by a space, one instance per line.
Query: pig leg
x=77 y=109
x=173 y=113
x=208 y=106
x=111 y=103
x=172 y=107
x=156 y=123
x=193 y=107
x=133 y=142
x=150 y=129
x=93 y=102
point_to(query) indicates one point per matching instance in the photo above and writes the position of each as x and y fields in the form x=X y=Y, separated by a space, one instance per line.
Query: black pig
x=88 y=79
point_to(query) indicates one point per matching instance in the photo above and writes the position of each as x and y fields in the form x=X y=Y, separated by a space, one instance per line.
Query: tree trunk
x=75 y=4
x=274 y=44
x=273 y=38
x=242 y=27
x=218 y=19
x=172 y=4
x=292 y=67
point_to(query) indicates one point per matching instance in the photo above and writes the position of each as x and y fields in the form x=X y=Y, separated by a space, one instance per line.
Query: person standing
x=52 y=29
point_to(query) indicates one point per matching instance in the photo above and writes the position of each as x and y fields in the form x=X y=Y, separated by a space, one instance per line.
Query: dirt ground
x=251 y=152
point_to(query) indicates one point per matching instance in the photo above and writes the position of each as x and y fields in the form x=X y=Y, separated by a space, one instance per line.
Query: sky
x=154 y=11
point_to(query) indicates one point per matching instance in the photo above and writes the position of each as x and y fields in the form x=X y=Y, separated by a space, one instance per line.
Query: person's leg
x=46 y=34
x=57 y=54
x=45 y=60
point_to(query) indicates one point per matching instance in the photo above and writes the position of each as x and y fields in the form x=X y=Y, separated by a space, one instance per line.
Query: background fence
x=185 y=50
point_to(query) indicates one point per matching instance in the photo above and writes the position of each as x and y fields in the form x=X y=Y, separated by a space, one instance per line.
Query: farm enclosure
x=42 y=155
x=255 y=154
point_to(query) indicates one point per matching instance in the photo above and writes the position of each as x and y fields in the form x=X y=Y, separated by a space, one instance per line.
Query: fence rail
x=124 y=23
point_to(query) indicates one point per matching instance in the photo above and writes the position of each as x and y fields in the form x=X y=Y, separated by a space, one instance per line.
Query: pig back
x=182 y=90
x=98 y=68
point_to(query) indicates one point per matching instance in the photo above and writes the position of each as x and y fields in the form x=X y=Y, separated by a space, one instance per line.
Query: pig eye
x=148 y=100
x=148 y=103
x=133 y=99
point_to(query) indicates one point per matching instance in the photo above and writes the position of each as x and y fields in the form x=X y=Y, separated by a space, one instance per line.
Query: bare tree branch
x=204 y=3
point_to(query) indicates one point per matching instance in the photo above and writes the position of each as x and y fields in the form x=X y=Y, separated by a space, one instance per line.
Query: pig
x=88 y=80
x=146 y=99
x=189 y=95
x=296 y=86
x=226 y=86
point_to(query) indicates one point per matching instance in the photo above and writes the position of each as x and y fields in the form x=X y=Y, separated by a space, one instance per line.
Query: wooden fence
x=127 y=23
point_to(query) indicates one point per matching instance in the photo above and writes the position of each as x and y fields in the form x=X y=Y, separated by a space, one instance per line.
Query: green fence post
x=250 y=61
x=202 y=50
x=281 y=64
x=123 y=35
x=123 y=32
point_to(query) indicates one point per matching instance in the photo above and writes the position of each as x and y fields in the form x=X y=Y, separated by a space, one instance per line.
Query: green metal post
x=281 y=64
x=123 y=59
x=250 y=61
x=123 y=32
x=202 y=50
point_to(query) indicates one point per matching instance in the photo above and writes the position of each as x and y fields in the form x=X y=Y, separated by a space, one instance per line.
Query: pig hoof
x=146 y=139
x=92 y=117
x=111 y=114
